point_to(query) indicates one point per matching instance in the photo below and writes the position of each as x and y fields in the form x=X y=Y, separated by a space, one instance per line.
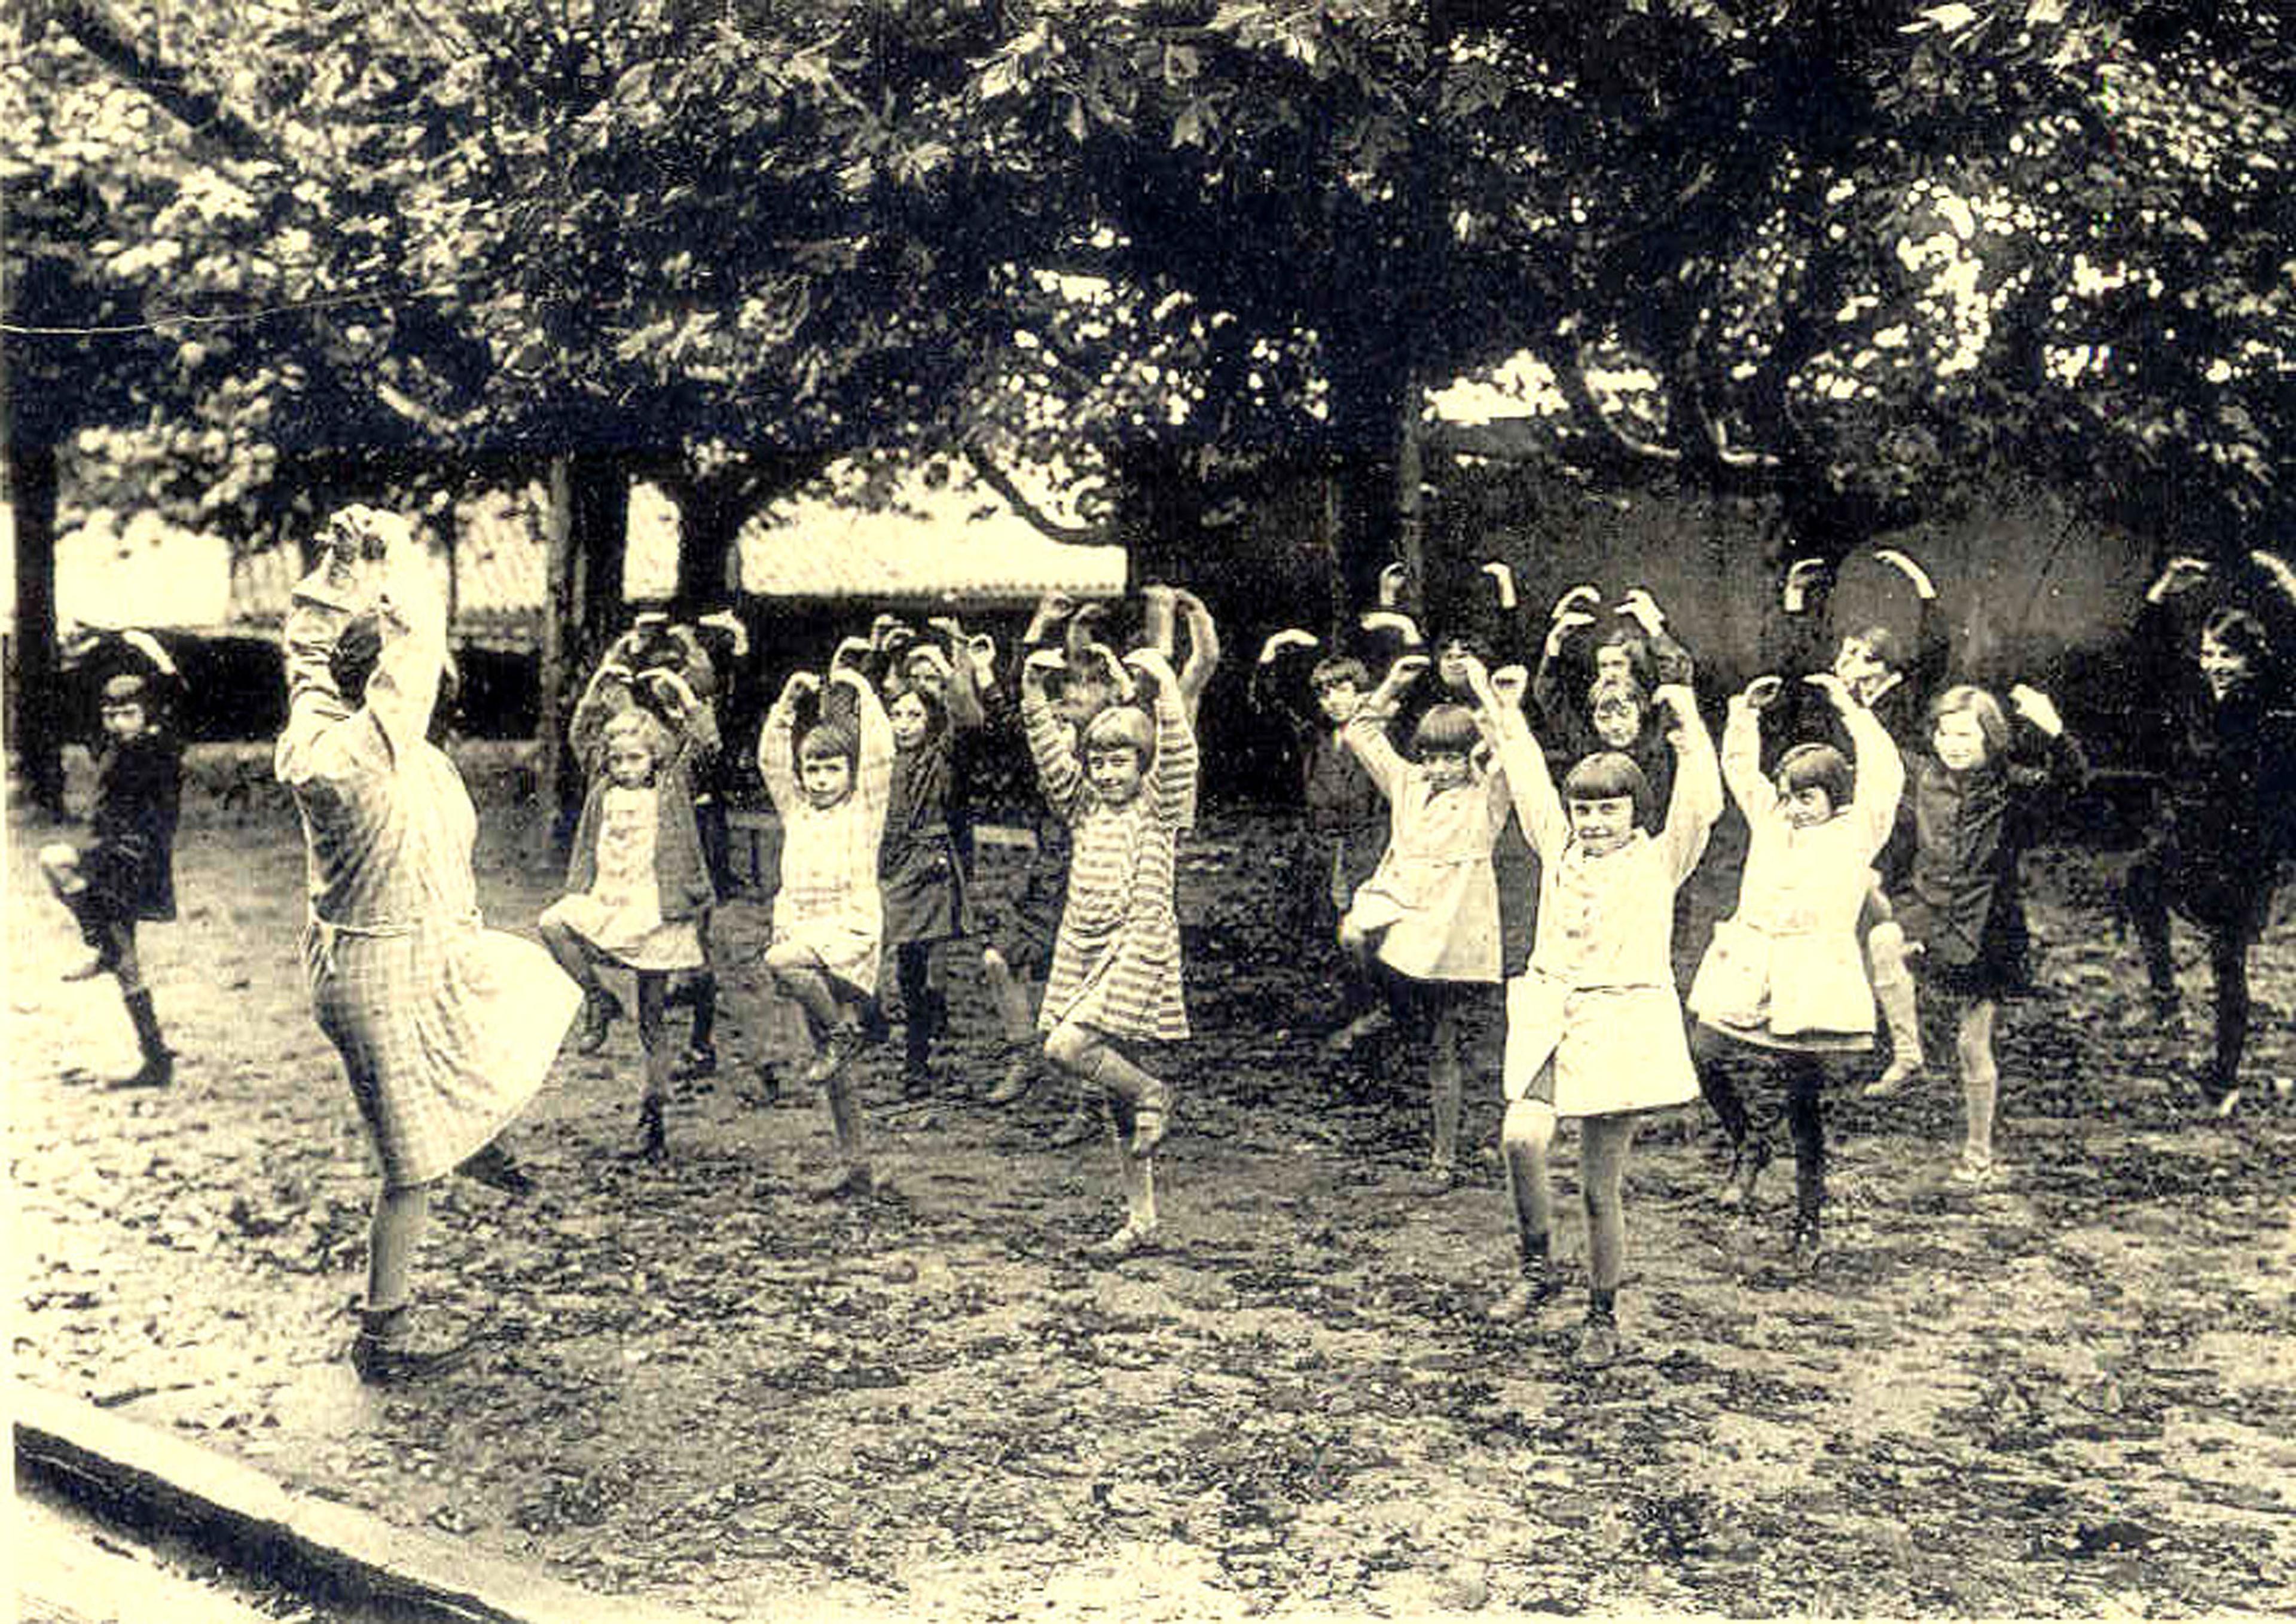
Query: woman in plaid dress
x=1115 y=979
x=446 y=1030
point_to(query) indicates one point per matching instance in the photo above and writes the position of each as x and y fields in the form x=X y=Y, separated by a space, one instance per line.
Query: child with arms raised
x=1430 y=913
x=1783 y=977
x=1977 y=790
x=1595 y=1024
x=637 y=884
x=831 y=786
x=1116 y=975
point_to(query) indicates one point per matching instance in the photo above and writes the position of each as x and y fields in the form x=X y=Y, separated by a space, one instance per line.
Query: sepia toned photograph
x=1149 y=810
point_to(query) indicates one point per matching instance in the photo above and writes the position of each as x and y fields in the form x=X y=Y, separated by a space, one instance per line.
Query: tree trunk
x=587 y=535
x=39 y=739
x=710 y=518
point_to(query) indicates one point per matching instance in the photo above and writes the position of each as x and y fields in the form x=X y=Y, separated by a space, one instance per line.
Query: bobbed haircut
x=826 y=741
x=1969 y=699
x=1817 y=766
x=1340 y=668
x=1636 y=647
x=1127 y=726
x=1888 y=648
x=1607 y=775
x=2239 y=631
x=935 y=712
x=1449 y=728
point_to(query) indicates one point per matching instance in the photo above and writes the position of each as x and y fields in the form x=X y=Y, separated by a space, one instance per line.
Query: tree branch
x=994 y=476
x=95 y=31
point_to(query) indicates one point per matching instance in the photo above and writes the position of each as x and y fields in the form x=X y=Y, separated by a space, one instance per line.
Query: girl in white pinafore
x=1595 y=1024
x=1431 y=911
x=1784 y=977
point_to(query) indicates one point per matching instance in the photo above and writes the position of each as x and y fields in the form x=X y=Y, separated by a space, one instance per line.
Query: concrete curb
x=251 y=1524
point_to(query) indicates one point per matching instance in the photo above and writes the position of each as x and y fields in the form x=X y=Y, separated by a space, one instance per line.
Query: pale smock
x=1434 y=894
x=1785 y=971
x=621 y=915
x=828 y=900
x=1598 y=998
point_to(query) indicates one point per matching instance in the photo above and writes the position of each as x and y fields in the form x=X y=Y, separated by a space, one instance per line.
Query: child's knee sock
x=1446 y=1092
x=704 y=1034
x=147 y=1021
x=845 y=1121
x=1720 y=1090
x=1980 y=1079
x=1526 y=1135
x=1012 y=1000
x=1139 y=1187
x=1806 y=1119
x=1893 y=991
x=2228 y=959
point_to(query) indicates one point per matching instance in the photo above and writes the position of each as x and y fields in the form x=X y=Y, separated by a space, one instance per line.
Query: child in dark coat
x=125 y=872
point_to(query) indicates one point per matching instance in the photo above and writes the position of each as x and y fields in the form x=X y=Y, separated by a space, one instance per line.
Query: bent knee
x=1071 y=1047
x=59 y=859
x=1528 y=1124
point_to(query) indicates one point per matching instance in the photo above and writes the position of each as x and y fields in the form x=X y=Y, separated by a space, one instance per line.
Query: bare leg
x=394 y=1233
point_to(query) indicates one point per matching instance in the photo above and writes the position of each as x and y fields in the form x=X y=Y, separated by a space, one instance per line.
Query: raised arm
x=412 y=606
x=1523 y=768
x=1366 y=733
x=1059 y=775
x=1741 y=748
x=1172 y=778
x=1203 y=649
x=872 y=776
x=604 y=697
x=777 y=743
x=1697 y=800
x=1880 y=772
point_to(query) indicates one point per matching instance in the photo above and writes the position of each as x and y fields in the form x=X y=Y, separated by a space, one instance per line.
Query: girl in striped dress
x=830 y=787
x=1116 y=978
x=445 y=1029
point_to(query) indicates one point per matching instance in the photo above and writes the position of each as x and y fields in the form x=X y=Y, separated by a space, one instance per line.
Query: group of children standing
x=1886 y=813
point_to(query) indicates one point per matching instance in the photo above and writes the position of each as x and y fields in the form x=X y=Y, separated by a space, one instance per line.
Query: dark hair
x=936 y=711
x=1446 y=727
x=356 y=653
x=1637 y=647
x=1817 y=766
x=2241 y=632
x=1606 y=776
x=1339 y=668
x=1883 y=644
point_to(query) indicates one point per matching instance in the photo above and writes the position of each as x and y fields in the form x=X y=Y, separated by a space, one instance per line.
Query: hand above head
x=1679 y=698
x=799 y=685
x=2277 y=568
x=1040 y=664
x=1509 y=684
x=950 y=627
x=1118 y=672
x=1642 y=609
x=1389 y=621
x=2183 y=574
x=1762 y=692
x=1591 y=596
x=929 y=654
x=1407 y=668
x=670 y=692
x=850 y=653
x=1833 y=688
x=980 y=648
x=1392 y=581
x=1902 y=564
x=1290 y=637
x=1801 y=576
x=1503 y=577
x=1189 y=604
x=2036 y=708
x=1559 y=631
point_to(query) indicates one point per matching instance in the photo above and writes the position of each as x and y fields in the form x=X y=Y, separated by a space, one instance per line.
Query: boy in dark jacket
x=125 y=872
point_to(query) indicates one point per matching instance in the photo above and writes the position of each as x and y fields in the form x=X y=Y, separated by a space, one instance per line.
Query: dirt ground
x=2069 y=1396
